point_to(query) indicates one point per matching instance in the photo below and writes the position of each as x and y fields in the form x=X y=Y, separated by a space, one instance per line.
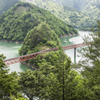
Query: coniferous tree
x=62 y=82
x=91 y=65
x=8 y=84
x=32 y=84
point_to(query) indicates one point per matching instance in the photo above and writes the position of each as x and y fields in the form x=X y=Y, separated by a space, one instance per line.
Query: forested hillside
x=68 y=14
x=6 y=4
x=85 y=18
x=78 y=4
x=89 y=7
x=55 y=77
x=39 y=38
x=23 y=17
x=93 y=9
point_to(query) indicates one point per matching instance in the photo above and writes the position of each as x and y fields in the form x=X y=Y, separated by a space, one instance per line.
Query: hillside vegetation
x=89 y=7
x=78 y=4
x=39 y=38
x=93 y=9
x=68 y=14
x=84 y=14
x=20 y=19
x=55 y=77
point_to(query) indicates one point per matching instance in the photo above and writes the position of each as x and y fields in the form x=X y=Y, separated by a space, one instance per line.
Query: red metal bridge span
x=33 y=55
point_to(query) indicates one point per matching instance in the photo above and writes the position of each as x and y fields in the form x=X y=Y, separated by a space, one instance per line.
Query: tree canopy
x=52 y=81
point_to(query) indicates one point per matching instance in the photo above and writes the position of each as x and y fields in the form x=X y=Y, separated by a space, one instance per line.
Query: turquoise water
x=10 y=50
x=74 y=40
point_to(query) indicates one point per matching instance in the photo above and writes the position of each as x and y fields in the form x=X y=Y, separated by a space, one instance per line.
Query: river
x=74 y=40
x=10 y=50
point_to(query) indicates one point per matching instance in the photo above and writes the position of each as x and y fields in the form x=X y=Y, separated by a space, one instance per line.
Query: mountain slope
x=93 y=9
x=41 y=37
x=6 y=4
x=67 y=14
x=17 y=21
x=78 y=4
x=88 y=18
x=89 y=7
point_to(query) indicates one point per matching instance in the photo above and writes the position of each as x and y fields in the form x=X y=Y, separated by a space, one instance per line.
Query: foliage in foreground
x=56 y=82
x=91 y=64
x=8 y=83
x=49 y=82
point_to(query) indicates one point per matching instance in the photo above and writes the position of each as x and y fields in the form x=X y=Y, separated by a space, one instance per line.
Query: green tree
x=8 y=84
x=55 y=81
x=62 y=83
x=32 y=84
x=91 y=65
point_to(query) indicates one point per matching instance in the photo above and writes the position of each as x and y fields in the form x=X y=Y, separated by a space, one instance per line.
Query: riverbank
x=20 y=42
x=70 y=35
x=30 y=65
x=17 y=42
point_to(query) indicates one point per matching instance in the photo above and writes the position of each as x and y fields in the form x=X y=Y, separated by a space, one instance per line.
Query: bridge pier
x=74 y=55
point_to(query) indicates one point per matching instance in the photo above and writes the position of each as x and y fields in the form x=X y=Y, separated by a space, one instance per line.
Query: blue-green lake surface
x=10 y=50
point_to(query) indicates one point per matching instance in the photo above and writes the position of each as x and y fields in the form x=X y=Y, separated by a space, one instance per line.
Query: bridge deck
x=33 y=55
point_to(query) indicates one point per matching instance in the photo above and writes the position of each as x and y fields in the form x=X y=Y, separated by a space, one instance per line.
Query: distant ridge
x=68 y=14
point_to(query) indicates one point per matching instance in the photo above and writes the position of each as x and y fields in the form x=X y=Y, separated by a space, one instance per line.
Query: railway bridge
x=33 y=55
